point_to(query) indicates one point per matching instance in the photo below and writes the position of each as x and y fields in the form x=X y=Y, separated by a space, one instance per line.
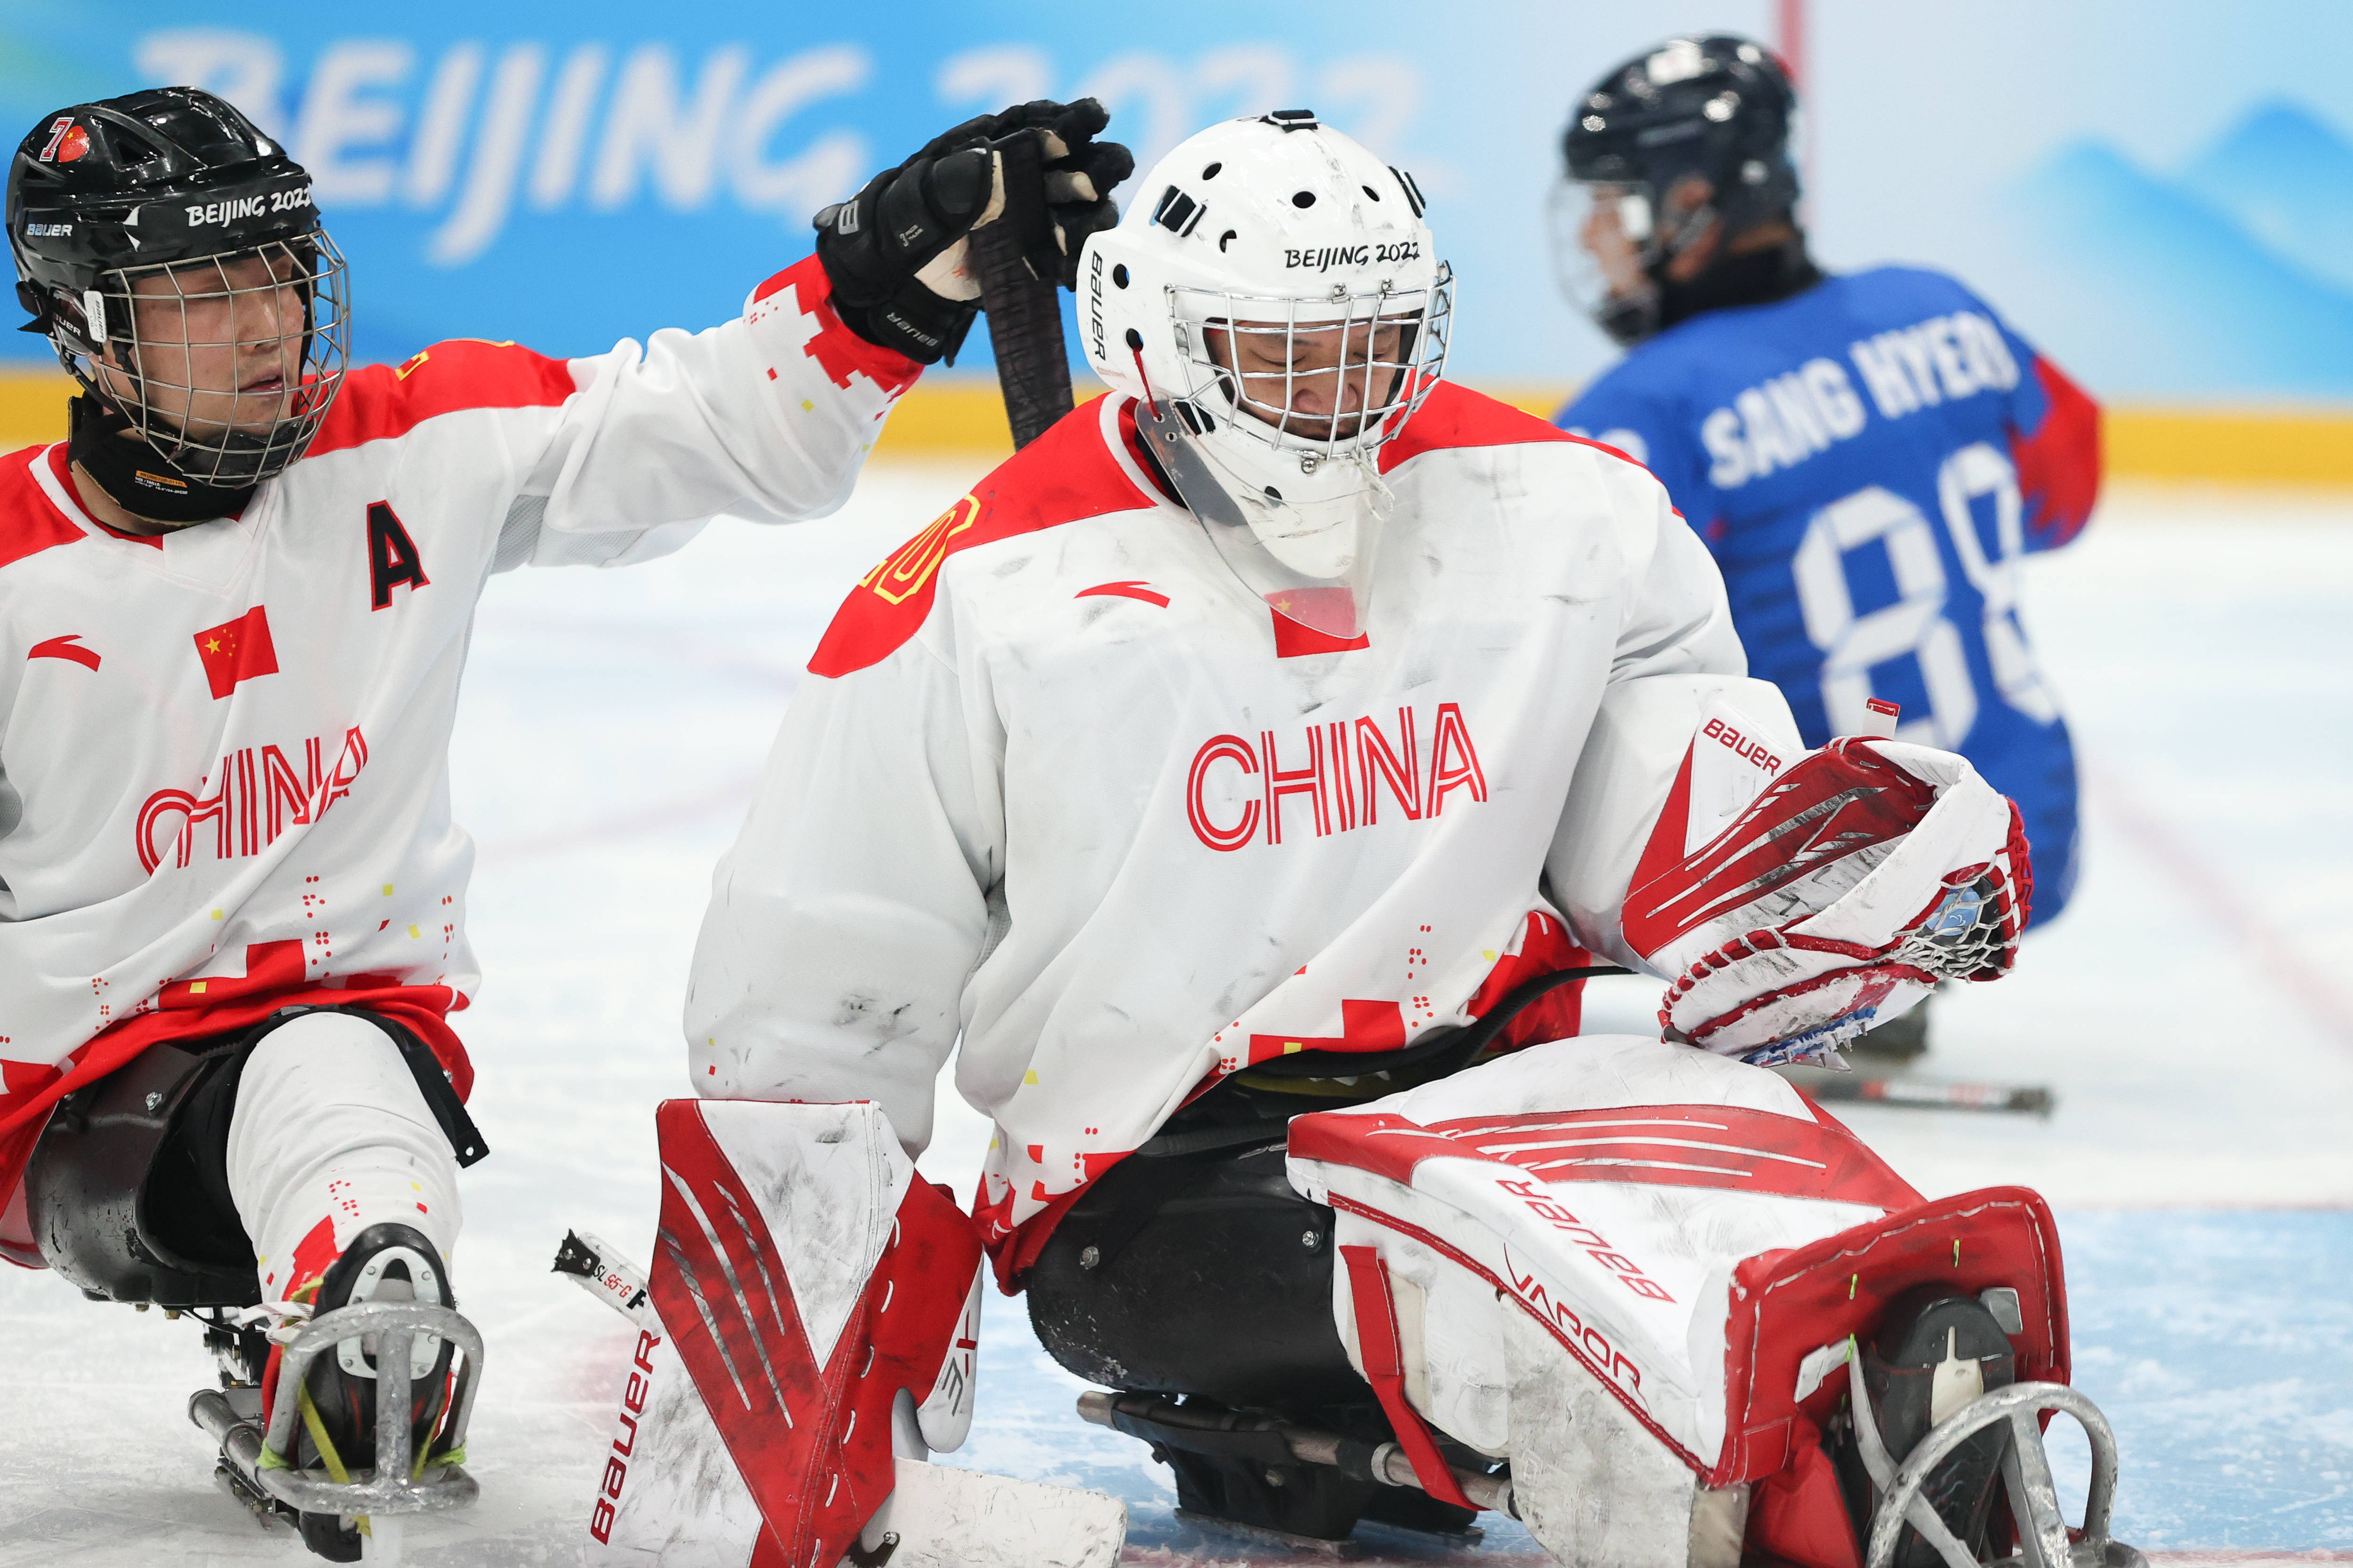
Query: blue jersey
x=1867 y=461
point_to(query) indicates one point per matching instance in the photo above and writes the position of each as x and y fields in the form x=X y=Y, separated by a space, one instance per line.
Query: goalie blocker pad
x=1632 y=1267
x=807 y=1294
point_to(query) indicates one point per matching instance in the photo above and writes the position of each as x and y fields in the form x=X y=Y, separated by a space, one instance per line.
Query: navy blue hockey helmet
x=1696 y=130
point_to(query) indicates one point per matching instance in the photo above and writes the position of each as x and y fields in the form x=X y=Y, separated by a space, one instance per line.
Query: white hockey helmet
x=1274 y=301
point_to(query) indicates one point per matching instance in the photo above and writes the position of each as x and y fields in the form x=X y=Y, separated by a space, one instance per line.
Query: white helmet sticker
x=1680 y=61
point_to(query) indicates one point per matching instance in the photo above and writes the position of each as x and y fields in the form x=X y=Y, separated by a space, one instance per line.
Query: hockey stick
x=1929 y=1094
x=605 y=1274
x=1024 y=317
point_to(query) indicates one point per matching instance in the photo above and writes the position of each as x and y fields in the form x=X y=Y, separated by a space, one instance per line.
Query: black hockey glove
x=896 y=251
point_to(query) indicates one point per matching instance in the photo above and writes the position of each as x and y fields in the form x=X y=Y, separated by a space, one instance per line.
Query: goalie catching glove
x=1859 y=878
x=896 y=252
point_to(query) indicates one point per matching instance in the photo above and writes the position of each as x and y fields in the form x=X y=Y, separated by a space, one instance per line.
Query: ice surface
x=2190 y=1010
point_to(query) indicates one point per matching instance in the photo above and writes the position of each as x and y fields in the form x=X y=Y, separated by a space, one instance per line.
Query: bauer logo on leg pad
x=1550 y=1184
x=634 y=1395
x=803 y=1280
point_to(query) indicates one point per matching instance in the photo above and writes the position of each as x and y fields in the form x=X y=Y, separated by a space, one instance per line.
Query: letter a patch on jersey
x=392 y=556
x=237 y=650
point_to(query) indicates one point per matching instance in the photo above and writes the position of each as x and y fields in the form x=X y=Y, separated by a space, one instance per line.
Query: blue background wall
x=2161 y=192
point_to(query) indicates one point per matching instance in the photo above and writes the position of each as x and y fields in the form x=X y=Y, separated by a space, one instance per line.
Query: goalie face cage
x=226 y=364
x=1323 y=378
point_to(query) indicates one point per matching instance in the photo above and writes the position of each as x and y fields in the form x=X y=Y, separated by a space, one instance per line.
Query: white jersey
x=1063 y=785
x=224 y=752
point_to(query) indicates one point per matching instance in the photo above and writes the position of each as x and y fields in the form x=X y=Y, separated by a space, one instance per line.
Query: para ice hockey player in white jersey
x=234 y=610
x=1246 y=772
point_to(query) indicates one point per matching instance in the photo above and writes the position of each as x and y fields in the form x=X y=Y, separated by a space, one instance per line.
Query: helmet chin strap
x=1629 y=319
x=1732 y=278
x=135 y=476
x=1151 y=398
x=1740 y=277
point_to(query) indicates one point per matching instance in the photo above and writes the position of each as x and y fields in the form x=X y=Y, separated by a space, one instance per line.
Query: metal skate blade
x=384 y=1539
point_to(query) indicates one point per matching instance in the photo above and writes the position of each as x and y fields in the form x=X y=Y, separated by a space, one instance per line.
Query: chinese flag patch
x=237 y=650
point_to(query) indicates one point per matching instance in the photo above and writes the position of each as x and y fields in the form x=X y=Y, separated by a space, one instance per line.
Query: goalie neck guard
x=1275 y=301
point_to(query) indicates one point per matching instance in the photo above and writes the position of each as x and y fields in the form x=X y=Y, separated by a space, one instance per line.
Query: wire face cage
x=225 y=364
x=1321 y=378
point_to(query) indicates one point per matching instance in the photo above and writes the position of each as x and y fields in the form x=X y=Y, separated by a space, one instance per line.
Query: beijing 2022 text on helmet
x=133 y=218
x=1717 y=108
x=1257 y=247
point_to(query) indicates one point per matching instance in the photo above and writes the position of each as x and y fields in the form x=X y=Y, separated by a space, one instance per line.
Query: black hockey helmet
x=1717 y=108
x=158 y=195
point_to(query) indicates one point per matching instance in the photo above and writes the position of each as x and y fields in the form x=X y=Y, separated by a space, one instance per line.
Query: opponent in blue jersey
x=1867 y=456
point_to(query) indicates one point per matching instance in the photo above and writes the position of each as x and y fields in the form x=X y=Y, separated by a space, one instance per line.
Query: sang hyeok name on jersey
x=1868 y=460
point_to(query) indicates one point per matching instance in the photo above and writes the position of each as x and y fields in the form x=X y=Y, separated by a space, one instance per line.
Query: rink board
x=2188 y=1011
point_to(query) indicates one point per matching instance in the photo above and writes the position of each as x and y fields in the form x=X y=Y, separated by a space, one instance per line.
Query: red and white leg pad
x=1632 y=1267
x=813 y=1333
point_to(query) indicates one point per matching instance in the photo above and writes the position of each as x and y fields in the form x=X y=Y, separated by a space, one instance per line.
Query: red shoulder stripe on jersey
x=1454 y=415
x=29 y=521
x=2059 y=464
x=838 y=351
x=380 y=402
x=1064 y=475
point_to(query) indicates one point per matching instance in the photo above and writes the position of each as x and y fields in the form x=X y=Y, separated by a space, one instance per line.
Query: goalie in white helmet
x=1279 y=319
x=1287 y=731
